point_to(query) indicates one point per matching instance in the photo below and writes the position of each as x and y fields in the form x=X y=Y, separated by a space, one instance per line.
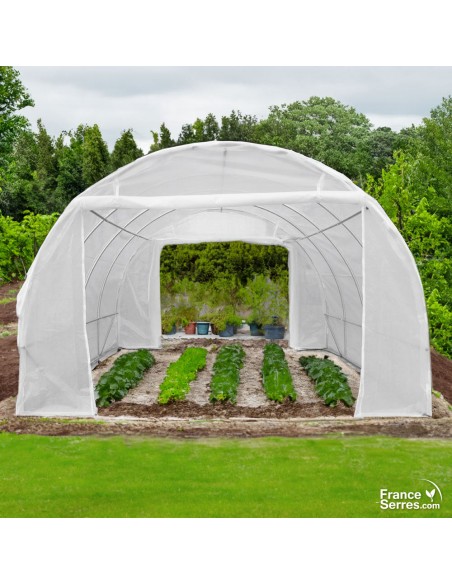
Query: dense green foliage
x=20 y=242
x=181 y=373
x=409 y=173
x=226 y=373
x=224 y=300
x=126 y=373
x=13 y=98
x=86 y=476
x=330 y=383
x=276 y=377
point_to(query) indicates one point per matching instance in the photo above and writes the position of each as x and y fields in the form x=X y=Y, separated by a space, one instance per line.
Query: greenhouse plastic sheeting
x=94 y=287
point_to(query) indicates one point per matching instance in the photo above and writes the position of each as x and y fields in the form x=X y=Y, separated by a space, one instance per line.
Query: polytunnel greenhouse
x=94 y=288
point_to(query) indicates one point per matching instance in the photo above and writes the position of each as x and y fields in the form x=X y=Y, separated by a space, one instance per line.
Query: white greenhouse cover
x=94 y=286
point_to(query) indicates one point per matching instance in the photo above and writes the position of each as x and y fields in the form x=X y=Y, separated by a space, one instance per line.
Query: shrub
x=330 y=382
x=181 y=373
x=126 y=373
x=20 y=242
x=276 y=377
x=226 y=374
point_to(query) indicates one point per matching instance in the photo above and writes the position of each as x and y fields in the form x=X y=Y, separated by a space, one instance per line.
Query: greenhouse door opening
x=223 y=288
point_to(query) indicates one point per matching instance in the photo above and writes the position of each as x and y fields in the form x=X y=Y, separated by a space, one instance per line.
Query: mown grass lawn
x=270 y=477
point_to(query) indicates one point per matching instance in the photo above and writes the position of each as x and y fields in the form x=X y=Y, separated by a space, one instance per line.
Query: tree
x=125 y=150
x=239 y=127
x=434 y=143
x=69 y=156
x=411 y=205
x=187 y=135
x=95 y=156
x=211 y=129
x=13 y=98
x=163 y=140
x=323 y=129
x=381 y=144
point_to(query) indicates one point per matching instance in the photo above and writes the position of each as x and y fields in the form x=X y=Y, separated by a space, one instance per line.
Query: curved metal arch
x=107 y=245
x=98 y=225
x=333 y=244
x=342 y=223
x=304 y=235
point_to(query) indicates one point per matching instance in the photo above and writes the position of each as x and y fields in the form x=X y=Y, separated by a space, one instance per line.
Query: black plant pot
x=273 y=331
x=228 y=331
x=255 y=330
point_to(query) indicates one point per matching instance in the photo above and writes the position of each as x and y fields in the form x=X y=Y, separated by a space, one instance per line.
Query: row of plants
x=330 y=382
x=225 y=303
x=181 y=373
x=127 y=371
x=226 y=374
x=276 y=376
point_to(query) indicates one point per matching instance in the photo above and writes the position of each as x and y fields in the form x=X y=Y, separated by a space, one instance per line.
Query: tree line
x=408 y=172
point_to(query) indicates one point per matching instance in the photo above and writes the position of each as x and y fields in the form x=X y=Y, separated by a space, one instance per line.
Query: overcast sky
x=141 y=98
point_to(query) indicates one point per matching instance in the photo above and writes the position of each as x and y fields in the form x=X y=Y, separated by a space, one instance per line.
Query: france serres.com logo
x=431 y=498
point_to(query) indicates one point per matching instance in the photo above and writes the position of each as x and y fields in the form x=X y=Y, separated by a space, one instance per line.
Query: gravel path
x=148 y=390
x=250 y=392
x=200 y=387
x=303 y=385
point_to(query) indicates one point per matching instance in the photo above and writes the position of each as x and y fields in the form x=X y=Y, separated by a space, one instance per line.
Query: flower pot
x=202 y=328
x=172 y=331
x=255 y=330
x=228 y=331
x=273 y=331
x=190 y=329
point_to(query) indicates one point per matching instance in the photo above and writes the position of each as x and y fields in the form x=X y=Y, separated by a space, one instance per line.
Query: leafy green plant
x=169 y=319
x=20 y=242
x=181 y=373
x=221 y=318
x=126 y=373
x=276 y=377
x=265 y=299
x=226 y=374
x=330 y=382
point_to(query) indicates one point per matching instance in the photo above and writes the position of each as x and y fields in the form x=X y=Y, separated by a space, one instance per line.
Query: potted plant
x=169 y=321
x=255 y=326
x=276 y=316
x=223 y=322
x=186 y=317
x=275 y=330
x=202 y=327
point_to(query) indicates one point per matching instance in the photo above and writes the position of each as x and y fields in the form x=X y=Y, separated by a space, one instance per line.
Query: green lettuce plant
x=181 y=373
x=276 y=377
x=330 y=382
x=126 y=373
x=226 y=374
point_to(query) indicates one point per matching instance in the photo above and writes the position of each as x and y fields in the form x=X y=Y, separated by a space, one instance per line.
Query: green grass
x=269 y=477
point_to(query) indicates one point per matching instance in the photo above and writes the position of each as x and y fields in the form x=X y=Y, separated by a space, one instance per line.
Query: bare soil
x=254 y=414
